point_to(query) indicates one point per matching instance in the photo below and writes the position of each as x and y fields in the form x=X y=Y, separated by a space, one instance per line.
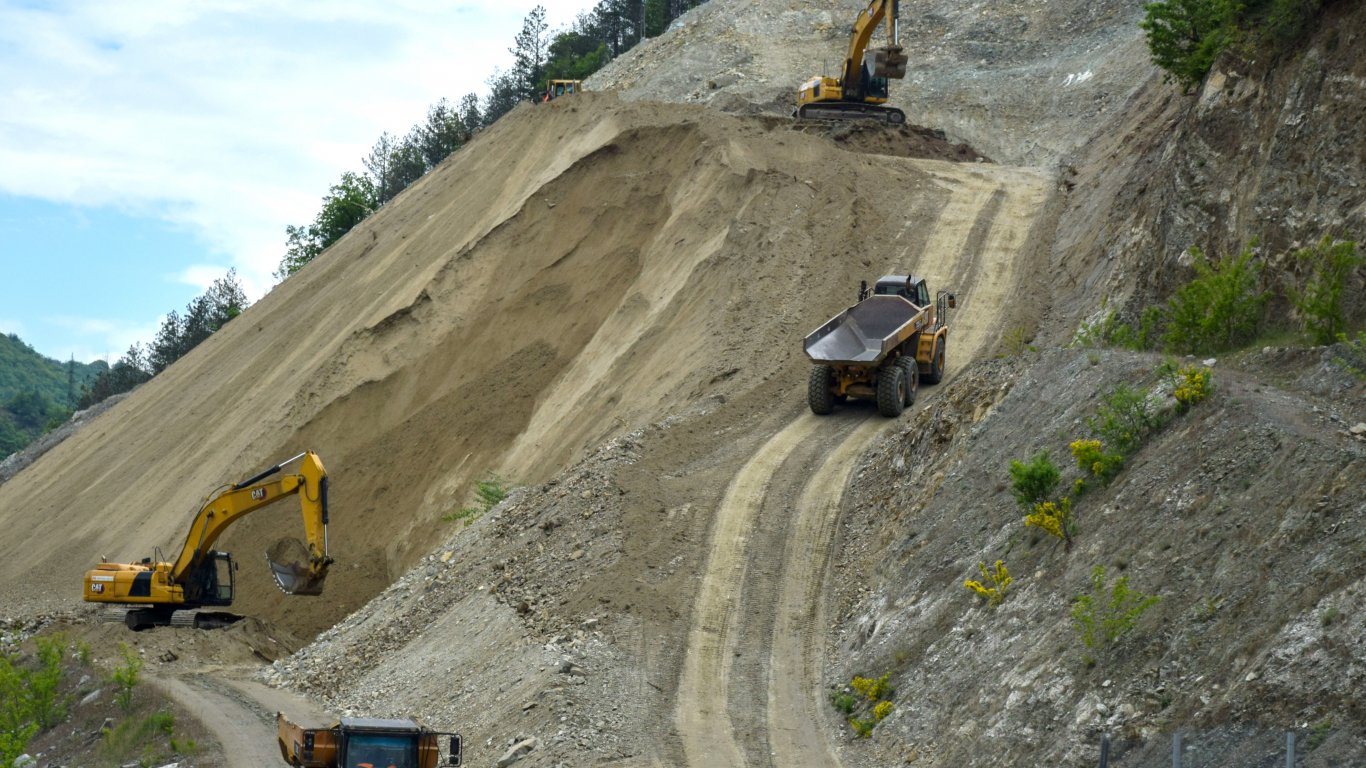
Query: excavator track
x=184 y=619
x=841 y=110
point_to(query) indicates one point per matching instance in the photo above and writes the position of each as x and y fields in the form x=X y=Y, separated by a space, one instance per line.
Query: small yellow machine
x=861 y=89
x=201 y=576
x=363 y=741
x=554 y=89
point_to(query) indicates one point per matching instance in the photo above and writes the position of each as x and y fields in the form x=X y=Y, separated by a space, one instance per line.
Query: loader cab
x=554 y=89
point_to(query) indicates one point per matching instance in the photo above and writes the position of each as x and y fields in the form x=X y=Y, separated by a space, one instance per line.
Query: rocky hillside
x=1024 y=83
x=691 y=563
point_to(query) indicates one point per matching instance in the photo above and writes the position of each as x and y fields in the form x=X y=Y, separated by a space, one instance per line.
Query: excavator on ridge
x=200 y=576
x=861 y=91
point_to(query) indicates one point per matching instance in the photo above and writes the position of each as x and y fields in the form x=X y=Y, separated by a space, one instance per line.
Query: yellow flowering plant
x=995 y=581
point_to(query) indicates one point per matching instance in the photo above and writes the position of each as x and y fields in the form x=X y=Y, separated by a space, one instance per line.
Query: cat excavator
x=860 y=92
x=200 y=576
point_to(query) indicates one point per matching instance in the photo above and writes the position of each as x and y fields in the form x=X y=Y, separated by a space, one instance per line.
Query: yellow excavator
x=201 y=576
x=860 y=92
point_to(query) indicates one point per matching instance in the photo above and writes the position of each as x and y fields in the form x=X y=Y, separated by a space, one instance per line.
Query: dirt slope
x=509 y=311
x=661 y=601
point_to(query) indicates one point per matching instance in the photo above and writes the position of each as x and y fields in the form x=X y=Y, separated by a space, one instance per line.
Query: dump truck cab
x=909 y=287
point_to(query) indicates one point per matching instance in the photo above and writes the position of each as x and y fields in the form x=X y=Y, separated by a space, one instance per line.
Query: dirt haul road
x=750 y=692
x=513 y=311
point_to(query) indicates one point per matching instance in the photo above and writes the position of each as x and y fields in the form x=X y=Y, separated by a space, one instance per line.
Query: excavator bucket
x=289 y=564
x=887 y=62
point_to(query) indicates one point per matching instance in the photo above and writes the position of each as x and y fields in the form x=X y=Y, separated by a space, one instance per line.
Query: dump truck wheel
x=912 y=376
x=820 y=390
x=891 y=390
x=936 y=371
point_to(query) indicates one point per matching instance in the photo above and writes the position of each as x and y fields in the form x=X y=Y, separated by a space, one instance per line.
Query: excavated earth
x=601 y=302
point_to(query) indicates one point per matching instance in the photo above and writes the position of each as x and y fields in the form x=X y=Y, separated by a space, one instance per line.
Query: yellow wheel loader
x=363 y=741
x=881 y=348
x=202 y=577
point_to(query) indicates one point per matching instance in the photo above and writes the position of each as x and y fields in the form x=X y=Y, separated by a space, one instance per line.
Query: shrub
x=1034 y=481
x=1123 y=418
x=1103 y=616
x=1091 y=457
x=1055 y=518
x=882 y=709
x=487 y=494
x=1185 y=36
x=17 y=724
x=1191 y=384
x=125 y=677
x=870 y=707
x=995 y=581
x=1220 y=308
x=29 y=698
x=1319 y=301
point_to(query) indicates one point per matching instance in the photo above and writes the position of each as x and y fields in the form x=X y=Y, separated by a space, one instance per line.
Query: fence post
x=1176 y=750
x=1289 y=749
x=1105 y=750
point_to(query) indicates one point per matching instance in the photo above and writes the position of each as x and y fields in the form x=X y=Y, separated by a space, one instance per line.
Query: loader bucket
x=290 y=565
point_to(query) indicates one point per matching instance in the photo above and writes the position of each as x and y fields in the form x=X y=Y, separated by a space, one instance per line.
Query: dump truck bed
x=864 y=333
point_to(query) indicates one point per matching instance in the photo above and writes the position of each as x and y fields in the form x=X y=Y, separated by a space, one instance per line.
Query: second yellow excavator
x=201 y=576
x=860 y=92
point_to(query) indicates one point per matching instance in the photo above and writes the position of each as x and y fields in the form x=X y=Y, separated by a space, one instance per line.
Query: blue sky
x=148 y=147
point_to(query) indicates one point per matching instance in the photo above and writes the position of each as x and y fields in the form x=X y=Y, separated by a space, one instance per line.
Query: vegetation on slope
x=597 y=36
x=1185 y=37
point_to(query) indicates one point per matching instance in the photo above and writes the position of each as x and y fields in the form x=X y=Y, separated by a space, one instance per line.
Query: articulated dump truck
x=364 y=742
x=881 y=348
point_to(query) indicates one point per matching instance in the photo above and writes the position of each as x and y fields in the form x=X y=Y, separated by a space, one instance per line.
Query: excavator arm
x=302 y=574
x=886 y=62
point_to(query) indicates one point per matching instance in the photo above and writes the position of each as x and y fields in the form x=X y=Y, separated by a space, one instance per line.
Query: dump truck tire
x=936 y=371
x=912 y=375
x=891 y=390
x=820 y=390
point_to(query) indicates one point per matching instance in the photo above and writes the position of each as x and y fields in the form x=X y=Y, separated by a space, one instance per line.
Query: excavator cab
x=213 y=581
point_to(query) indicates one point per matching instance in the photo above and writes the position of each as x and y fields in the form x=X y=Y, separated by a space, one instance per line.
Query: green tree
x=503 y=96
x=1185 y=36
x=128 y=372
x=1319 y=301
x=1217 y=310
x=470 y=114
x=441 y=134
x=1033 y=482
x=346 y=204
x=575 y=56
x=529 y=55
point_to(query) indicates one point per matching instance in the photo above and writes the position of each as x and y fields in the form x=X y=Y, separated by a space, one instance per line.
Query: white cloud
x=110 y=339
x=15 y=327
x=229 y=118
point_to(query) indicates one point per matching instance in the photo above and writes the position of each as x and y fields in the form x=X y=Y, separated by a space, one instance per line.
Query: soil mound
x=581 y=268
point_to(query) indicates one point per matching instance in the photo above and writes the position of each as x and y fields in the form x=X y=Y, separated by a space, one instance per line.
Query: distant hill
x=34 y=390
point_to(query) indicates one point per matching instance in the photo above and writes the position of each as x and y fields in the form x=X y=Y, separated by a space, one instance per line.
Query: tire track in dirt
x=750 y=689
x=796 y=708
x=702 y=714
